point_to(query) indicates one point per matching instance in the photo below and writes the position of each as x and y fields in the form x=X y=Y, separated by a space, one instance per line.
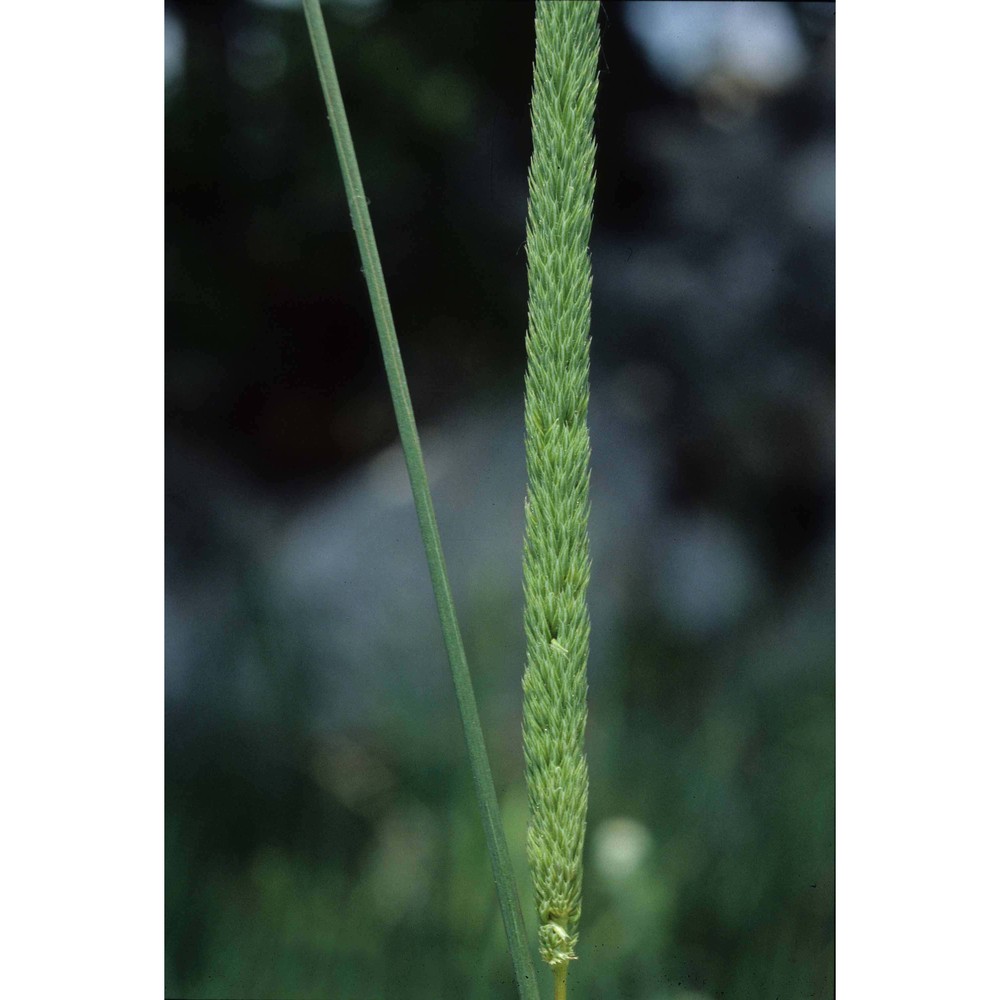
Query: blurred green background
x=322 y=834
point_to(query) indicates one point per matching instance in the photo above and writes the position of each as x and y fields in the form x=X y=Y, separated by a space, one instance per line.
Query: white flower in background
x=621 y=846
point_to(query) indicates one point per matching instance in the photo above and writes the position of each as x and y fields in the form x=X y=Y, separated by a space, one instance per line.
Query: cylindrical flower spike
x=557 y=548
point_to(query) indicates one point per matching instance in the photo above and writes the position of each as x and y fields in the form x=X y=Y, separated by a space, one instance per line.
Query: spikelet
x=556 y=546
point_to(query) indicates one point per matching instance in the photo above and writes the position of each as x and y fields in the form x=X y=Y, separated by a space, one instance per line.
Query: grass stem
x=503 y=874
x=561 y=972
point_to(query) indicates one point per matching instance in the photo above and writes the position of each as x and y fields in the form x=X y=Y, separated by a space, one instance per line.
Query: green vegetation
x=556 y=550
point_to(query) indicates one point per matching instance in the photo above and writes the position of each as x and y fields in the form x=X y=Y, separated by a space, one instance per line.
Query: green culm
x=556 y=545
x=503 y=872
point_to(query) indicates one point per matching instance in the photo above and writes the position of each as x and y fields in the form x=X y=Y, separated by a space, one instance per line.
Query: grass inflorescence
x=556 y=546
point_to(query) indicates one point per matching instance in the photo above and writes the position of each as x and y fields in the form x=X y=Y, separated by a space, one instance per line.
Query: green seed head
x=556 y=546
